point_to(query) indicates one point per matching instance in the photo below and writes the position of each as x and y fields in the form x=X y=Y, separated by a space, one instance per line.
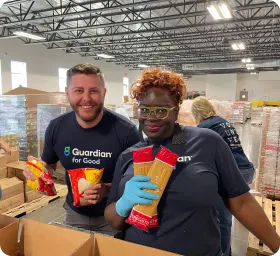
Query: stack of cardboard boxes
x=13 y=183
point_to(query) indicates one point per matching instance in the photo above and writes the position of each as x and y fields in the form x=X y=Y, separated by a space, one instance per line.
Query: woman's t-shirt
x=188 y=218
x=230 y=136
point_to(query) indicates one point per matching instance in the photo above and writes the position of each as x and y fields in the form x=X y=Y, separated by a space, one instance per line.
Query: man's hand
x=95 y=193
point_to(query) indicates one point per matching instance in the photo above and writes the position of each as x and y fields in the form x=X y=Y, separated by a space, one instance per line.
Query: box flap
x=107 y=246
x=44 y=240
x=17 y=165
x=86 y=249
x=8 y=234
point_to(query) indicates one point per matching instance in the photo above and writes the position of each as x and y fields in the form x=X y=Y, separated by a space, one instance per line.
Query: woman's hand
x=4 y=145
x=134 y=194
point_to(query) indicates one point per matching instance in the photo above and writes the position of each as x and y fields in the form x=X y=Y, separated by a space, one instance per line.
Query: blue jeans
x=225 y=215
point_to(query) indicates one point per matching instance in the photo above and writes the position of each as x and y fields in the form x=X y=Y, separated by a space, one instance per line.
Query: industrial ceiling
x=177 y=34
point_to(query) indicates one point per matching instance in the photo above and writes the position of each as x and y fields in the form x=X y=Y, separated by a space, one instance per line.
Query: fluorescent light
x=28 y=35
x=253 y=73
x=214 y=12
x=241 y=46
x=225 y=11
x=105 y=56
x=143 y=66
x=2 y=2
x=234 y=46
x=249 y=60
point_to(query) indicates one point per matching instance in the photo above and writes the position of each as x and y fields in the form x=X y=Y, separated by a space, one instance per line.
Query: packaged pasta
x=43 y=180
x=142 y=216
x=81 y=179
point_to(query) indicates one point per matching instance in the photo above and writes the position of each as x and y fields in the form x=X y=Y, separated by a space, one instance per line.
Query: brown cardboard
x=3 y=173
x=107 y=246
x=31 y=195
x=11 y=187
x=8 y=234
x=24 y=91
x=15 y=169
x=3 y=160
x=12 y=202
x=14 y=156
x=44 y=240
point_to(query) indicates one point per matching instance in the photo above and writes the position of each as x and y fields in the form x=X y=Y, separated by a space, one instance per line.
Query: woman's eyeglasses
x=159 y=112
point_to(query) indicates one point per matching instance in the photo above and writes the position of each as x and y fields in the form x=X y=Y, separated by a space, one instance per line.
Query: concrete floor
x=250 y=139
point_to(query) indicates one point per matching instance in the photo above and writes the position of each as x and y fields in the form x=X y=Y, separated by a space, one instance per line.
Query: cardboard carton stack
x=238 y=114
x=18 y=115
x=268 y=180
x=223 y=108
x=11 y=139
x=256 y=116
x=37 y=238
x=46 y=113
x=185 y=117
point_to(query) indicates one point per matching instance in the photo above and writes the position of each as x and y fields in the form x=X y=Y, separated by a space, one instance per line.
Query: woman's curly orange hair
x=156 y=77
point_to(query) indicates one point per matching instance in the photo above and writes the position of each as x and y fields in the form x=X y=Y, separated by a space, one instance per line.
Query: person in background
x=205 y=116
x=90 y=136
x=188 y=221
x=4 y=145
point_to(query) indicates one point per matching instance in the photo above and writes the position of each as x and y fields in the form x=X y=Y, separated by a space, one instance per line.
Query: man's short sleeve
x=133 y=137
x=231 y=181
x=49 y=156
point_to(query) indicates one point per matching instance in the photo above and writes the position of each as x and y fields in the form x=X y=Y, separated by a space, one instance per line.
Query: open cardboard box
x=42 y=239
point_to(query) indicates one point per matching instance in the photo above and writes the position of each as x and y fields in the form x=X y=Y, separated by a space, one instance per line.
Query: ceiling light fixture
x=253 y=73
x=219 y=11
x=105 y=56
x=143 y=66
x=248 y=60
x=238 y=46
x=28 y=35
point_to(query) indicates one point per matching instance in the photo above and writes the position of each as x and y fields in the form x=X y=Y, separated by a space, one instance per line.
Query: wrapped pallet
x=18 y=115
x=268 y=181
x=46 y=113
x=256 y=116
x=185 y=117
x=238 y=114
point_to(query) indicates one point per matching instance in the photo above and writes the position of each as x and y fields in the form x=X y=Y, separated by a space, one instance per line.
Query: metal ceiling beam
x=162 y=29
x=176 y=37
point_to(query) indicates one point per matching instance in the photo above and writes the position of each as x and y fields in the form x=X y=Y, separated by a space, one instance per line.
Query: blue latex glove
x=133 y=194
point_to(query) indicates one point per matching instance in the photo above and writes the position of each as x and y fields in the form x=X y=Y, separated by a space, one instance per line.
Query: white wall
x=263 y=86
x=221 y=87
x=43 y=64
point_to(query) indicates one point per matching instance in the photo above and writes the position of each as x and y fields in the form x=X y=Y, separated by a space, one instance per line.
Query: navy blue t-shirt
x=98 y=147
x=188 y=218
x=229 y=134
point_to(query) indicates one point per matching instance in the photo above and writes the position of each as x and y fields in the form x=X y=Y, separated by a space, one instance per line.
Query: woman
x=205 y=116
x=186 y=212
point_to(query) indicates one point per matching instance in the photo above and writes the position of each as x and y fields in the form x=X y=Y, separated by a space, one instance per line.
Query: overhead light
x=248 y=60
x=253 y=73
x=105 y=56
x=2 y=2
x=28 y=35
x=220 y=11
x=143 y=66
x=238 y=46
x=225 y=11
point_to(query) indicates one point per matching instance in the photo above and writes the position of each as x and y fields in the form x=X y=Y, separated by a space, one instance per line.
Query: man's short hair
x=86 y=69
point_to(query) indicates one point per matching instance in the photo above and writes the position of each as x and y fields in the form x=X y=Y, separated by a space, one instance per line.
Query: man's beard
x=99 y=109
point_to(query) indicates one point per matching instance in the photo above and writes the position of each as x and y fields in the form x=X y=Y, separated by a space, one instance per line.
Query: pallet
x=27 y=208
x=272 y=211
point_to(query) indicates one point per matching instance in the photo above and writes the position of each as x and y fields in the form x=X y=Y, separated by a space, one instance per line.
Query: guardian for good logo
x=67 y=151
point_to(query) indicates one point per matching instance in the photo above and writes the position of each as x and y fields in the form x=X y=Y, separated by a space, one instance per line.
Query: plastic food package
x=142 y=215
x=81 y=179
x=43 y=182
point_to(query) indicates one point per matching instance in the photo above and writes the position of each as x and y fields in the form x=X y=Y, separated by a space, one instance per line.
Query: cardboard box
x=14 y=156
x=107 y=246
x=3 y=173
x=31 y=195
x=15 y=169
x=3 y=160
x=8 y=233
x=42 y=239
x=11 y=187
x=12 y=202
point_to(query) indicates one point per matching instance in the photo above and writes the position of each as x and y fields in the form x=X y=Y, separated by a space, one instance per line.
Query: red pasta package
x=81 y=179
x=142 y=216
x=43 y=182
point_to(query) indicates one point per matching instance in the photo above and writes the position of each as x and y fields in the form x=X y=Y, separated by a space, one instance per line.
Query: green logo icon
x=67 y=151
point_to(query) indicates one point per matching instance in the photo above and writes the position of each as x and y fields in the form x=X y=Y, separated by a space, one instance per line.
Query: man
x=90 y=136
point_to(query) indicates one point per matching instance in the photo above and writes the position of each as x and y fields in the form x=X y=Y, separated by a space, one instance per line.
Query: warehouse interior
x=226 y=50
